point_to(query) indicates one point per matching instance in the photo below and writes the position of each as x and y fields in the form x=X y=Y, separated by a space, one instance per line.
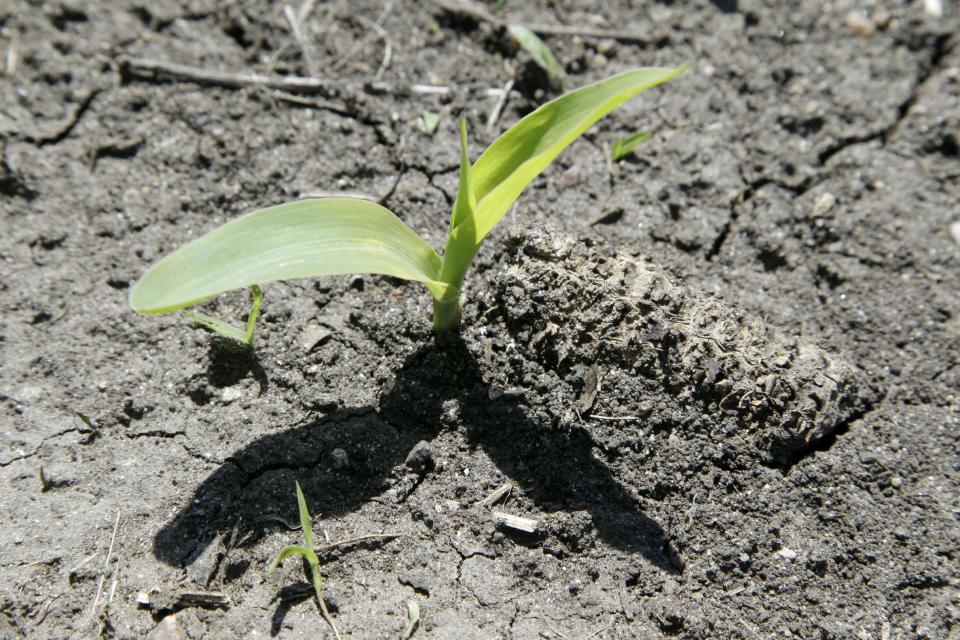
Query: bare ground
x=635 y=345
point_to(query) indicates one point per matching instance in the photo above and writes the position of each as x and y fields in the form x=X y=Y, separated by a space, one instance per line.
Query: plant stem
x=446 y=313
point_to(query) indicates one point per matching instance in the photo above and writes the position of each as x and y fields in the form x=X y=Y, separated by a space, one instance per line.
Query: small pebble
x=881 y=18
x=789 y=554
x=231 y=394
x=896 y=482
x=955 y=231
x=168 y=629
x=607 y=47
x=823 y=204
x=420 y=458
x=860 y=24
x=314 y=336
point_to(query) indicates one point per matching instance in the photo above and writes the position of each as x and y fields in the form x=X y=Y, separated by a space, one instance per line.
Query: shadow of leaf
x=555 y=467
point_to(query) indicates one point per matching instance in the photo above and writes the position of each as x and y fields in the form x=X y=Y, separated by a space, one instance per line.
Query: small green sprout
x=625 y=145
x=307 y=553
x=430 y=121
x=540 y=52
x=413 y=619
x=243 y=336
x=331 y=236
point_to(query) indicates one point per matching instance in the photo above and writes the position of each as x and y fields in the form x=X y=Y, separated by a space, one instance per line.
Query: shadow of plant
x=555 y=467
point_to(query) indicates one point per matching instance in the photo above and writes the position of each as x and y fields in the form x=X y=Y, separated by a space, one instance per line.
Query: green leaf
x=625 y=145
x=466 y=194
x=431 y=121
x=413 y=619
x=286 y=552
x=461 y=247
x=540 y=52
x=228 y=330
x=305 y=522
x=527 y=148
x=302 y=239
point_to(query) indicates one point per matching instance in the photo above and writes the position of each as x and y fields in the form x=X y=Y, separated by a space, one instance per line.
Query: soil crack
x=825 y=442
x=940 y=48
x=62 y=130
x=44 y=441
x=155 y=433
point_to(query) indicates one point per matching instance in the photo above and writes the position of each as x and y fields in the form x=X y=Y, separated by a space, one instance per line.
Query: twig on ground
x=39 y=618
x=320 y=103
x=527 y=525
x=150 y=68
x=305 y=9
x=598 y=631
x=71 y=575
x=13 y=52
x=387 y=8
x=296 y=26
x=430 y=89
x=387 y=47
x=382 y=200
x=373 y=536
x=106 y=563
x=595 y=416
x=501 y=102
x=555 y=631
x=343 y=60
x=497 y=494
x=477 y=12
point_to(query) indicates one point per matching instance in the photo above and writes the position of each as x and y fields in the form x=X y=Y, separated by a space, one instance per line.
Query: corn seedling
x=307 y=553
x=625 y=146
x=331 y=236
x=540 y=52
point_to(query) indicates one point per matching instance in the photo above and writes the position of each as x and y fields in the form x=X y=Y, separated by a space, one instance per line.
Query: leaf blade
x=305 y=523
x=526 y=149
x=625 y=145
x=539 y=51
x=466 y=201
x=300 y=239
x=286 y=552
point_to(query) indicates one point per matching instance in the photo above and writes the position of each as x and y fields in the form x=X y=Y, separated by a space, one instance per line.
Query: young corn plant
x=307 y=553
x=331 y=236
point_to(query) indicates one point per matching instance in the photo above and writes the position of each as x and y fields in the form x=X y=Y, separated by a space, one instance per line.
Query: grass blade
x=286 y=552
x=413 y=619
x=466 y=194
x=305 y=522
x=430 y=121
x=625 y=145
x=215 y=325
x=300 y=239
x=228 y=330
x=540 y=53
x=527 y=148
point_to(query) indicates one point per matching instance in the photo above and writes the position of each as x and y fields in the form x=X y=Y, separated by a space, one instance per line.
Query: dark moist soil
x=721 y=375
